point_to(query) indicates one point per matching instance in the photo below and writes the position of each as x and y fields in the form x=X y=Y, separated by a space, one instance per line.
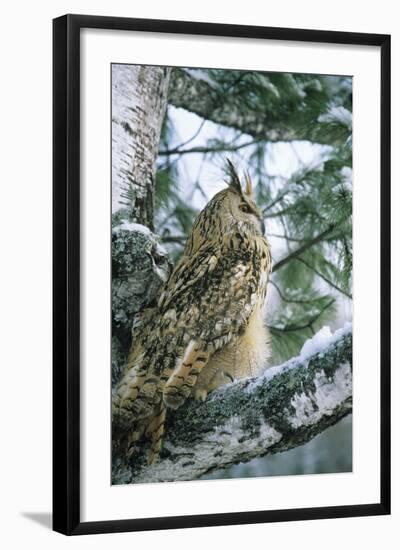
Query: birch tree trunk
x=139 y=101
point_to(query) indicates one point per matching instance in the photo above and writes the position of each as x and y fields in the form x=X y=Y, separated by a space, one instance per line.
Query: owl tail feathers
x=155 y=431
x=152 y=428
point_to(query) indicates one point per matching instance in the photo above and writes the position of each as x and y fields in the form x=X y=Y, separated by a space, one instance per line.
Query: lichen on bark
x=140 y=266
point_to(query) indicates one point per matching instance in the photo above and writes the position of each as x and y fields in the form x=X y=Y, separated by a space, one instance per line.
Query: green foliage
x=310 y=210
x=119 y=216
x=301 y=313
x=166 y=188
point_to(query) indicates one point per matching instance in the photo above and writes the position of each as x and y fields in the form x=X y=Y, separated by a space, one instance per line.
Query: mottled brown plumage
x=207 y=328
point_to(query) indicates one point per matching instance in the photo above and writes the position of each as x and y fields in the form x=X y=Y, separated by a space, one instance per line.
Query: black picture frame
x=66 y=273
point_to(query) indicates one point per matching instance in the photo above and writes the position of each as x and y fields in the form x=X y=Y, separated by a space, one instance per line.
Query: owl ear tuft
x=249 y=184
x=234 y=181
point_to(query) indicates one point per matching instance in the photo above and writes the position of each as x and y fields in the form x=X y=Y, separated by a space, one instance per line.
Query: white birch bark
x=139 y=100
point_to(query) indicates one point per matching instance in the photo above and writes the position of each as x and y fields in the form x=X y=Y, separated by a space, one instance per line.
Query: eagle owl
x=207 y=328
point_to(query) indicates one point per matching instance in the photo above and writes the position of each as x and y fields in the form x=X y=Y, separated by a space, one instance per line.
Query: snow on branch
x=285 y=407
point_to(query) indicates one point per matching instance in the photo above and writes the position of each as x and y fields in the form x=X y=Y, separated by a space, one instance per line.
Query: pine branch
x=330 y=283
x=285 y=237
x=301 y=249
x=181 y=239
x=304 y=326
x=210 y=102
x=226 y=147
x=279 y=213
x=292 y=300
x=193 y=137
x=282 y=409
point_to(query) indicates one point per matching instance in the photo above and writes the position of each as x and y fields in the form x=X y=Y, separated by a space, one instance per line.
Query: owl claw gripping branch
x=207 y=328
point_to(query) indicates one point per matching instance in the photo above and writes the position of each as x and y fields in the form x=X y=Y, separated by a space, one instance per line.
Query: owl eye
x=245 y=208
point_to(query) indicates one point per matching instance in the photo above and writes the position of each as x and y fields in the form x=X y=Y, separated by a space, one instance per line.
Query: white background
x=26 y=273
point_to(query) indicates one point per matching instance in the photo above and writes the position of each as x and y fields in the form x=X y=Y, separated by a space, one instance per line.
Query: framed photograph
x=221 y=274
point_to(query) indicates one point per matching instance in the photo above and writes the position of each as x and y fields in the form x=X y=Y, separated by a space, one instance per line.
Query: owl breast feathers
x=207 y=328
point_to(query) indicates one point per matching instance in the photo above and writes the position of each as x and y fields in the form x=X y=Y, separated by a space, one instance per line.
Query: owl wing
x=208 y=298
x=187 y=273
x=215 y=293
x=210 y=312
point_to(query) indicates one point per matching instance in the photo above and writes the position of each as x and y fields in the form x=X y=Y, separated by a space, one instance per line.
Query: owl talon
x=173 y=401
x=200 y=394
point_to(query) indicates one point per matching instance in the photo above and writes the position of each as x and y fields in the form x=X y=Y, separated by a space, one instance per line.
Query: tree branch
x=307 y=324
x=330 y=283
x=304 y=247
x=205 y=149
x=291 y=300
x=199 y=96
x=282 y=409
x=192 y=138
x=285 y=237
x=181 y=239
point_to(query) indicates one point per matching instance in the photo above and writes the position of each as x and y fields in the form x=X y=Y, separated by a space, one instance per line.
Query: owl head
x=232 y=209
x=239 y=203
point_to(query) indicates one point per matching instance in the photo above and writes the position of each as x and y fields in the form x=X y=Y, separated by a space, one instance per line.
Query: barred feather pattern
x=207 y=327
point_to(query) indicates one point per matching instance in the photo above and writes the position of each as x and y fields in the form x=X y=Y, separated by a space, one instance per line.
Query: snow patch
x=317 y=343
x=329 y=393
x=269 y=373
x=340 y=115
x=231 y=439
x=220 y=447
x=133 y=227
x=346 y=172
x=320 y=343
x=200 y=74
x=271 y=88
x=347 y=178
